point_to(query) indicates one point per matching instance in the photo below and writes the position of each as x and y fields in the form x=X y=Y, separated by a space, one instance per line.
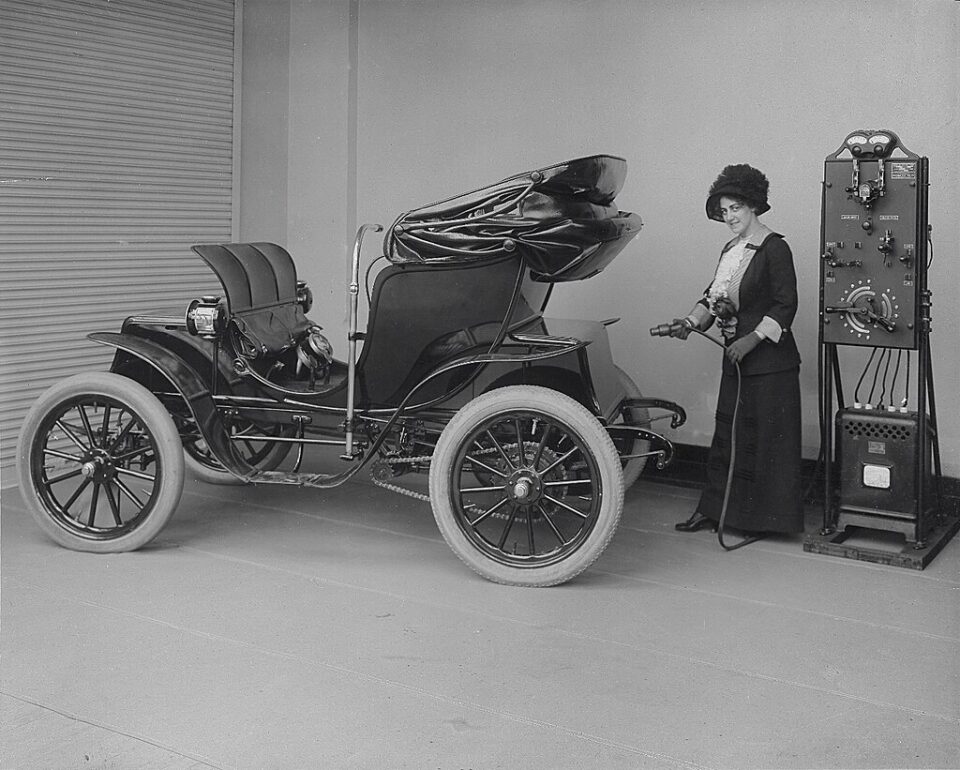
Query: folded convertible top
x=561 y=219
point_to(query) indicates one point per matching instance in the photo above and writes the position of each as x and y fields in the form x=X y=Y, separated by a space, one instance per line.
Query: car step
x=311 y=480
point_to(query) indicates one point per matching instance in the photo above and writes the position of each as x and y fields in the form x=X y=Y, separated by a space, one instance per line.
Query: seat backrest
x=253 y=275
x=424 y=315
x=260 y=282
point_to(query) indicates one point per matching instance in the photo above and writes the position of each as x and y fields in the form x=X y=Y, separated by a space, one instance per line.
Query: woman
x=753 y=299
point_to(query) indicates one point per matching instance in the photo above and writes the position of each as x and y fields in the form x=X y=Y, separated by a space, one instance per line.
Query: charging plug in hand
x=680 y=328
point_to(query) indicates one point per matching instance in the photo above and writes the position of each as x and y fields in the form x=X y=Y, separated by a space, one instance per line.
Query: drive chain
x=422 y=459
x=396 y=487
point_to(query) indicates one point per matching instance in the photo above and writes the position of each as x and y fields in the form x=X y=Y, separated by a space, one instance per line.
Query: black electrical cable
x=856 y=391
x=733 y=454
x=876 y=372
x=906 y=389
x=883 y=382
x=896 y=374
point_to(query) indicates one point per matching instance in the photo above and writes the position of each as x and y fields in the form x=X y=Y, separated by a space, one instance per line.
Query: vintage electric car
x=528 y=429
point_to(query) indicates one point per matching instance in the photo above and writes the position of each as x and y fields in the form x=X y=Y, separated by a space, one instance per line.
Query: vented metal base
x=910 y=556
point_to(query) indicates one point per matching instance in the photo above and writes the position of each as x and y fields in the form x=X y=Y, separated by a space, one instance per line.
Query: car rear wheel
x=100 y=463
x=526 y=486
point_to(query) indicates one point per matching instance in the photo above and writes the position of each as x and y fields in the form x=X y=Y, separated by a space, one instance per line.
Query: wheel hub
x=522 y=489
x=524 y=486
x=98 y=467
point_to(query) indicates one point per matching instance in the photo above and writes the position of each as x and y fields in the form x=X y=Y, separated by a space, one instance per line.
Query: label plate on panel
x=903 y=170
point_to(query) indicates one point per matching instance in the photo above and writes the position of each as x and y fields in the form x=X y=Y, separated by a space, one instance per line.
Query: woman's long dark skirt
x=765 y=495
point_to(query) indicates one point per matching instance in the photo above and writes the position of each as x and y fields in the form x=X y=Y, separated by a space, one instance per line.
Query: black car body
x=528 y=429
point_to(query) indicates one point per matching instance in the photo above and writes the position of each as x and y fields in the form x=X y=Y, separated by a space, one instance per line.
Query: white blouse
x=726 y=283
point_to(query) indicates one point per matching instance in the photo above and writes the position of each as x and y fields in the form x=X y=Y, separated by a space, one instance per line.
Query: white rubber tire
x=527 y=401
x=167 y=465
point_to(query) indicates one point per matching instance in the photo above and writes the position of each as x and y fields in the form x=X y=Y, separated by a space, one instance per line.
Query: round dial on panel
x=869 y=308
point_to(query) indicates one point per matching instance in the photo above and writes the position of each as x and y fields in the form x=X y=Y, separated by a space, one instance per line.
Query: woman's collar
x=757 y=238
x=753 y=243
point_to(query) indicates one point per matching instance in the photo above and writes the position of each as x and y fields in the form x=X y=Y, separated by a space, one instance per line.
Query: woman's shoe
x=695 y=523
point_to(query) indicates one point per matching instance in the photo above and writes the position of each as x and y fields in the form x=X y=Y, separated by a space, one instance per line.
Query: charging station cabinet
x=881 y=461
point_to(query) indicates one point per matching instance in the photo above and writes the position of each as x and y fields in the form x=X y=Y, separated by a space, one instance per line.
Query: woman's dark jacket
x=768 y=288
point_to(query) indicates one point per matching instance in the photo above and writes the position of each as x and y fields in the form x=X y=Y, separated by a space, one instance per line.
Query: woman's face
x=739 y=217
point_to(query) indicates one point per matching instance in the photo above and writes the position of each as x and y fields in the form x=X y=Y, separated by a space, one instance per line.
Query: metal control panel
x=873 y=243
x=881 y=467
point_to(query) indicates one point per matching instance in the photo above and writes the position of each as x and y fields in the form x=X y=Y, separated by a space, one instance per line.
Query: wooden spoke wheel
x=526 y=486
x=100 y=463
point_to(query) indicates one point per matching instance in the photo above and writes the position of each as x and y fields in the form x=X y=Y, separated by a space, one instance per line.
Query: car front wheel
x=100 y=463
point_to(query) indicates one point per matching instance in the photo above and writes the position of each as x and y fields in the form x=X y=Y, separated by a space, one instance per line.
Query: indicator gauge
x=858 y=139
x=879 y=139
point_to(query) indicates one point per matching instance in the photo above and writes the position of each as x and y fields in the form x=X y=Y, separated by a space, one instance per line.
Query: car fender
x=567 y=381
x=188 y=383
x=584 y=372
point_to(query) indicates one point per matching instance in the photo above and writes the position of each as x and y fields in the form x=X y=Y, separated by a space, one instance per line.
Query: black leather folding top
x=561 y=219
x=254 y=275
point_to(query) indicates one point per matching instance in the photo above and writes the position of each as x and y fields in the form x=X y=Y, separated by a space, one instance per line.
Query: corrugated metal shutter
x=116 y=155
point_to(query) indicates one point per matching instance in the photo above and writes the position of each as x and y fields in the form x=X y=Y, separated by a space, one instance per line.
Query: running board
x=310 y=480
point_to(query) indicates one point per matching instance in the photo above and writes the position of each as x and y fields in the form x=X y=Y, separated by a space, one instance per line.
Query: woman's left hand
x=739 y=349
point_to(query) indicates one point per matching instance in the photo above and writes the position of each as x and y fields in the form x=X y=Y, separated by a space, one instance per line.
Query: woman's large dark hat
x=739 y=181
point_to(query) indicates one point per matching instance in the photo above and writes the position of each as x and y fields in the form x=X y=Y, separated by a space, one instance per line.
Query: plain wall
x=264 y=108
x=447 y=95
x=294 y=141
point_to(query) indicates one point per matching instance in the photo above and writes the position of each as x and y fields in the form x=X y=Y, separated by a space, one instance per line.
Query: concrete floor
x=288 y=628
